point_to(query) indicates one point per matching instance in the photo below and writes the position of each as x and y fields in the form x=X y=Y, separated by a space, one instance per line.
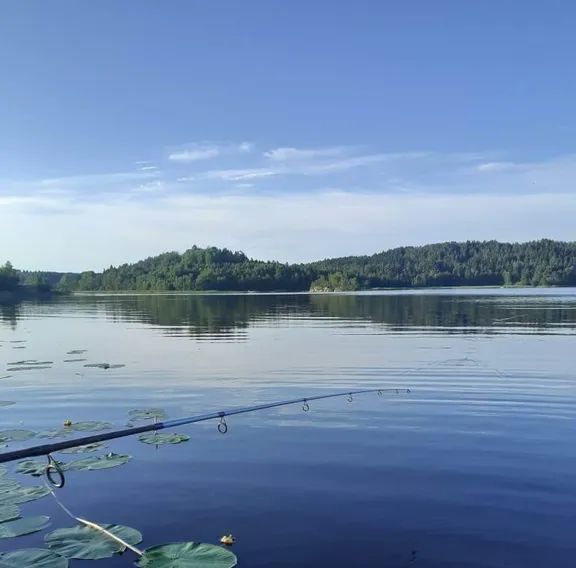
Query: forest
x=471 y=263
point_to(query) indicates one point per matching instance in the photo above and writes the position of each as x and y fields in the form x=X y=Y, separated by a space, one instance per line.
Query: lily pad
x=104 y=365
x=25 y=525
x=100 y=462
x=61 y=433
x=32 y=558
x=23 y=495
x=9 y=513
x=6 y=402
x=90 y=426
x=94 y=447
x=7 y=484
x=147 y=414
x=187 y=555
x=16 y=435
x=32 y=362
x=36 y=468
x=28 y=368
x=156 y=439
x=90 y=544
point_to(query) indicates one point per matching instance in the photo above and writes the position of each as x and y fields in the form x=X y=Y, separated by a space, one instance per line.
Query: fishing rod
x=48 y=449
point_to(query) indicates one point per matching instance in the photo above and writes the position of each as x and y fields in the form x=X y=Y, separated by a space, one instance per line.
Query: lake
x=474 y=468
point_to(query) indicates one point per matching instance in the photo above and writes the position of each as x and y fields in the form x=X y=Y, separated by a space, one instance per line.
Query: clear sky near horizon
x=290 y=130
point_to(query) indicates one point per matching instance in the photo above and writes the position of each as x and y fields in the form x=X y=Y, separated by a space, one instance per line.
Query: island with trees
x=471 y=263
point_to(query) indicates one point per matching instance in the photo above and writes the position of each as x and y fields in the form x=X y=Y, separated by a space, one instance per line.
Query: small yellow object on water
x=228 y=539
x=67 y=422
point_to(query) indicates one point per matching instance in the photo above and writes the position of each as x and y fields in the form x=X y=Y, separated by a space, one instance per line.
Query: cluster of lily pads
x=81 y=541
x=35 y=364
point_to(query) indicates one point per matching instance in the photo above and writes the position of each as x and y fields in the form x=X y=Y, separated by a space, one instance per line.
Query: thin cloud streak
x=195 y=152
x=194 y=155
x=286 y=154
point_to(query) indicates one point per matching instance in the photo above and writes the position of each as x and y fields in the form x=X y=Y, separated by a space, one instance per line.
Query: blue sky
x=290 y=130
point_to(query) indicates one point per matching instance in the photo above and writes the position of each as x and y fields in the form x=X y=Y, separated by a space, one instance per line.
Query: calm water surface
x=475 y=468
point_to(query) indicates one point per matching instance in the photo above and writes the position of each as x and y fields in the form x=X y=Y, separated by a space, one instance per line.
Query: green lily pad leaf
x=31 y=362
x=32 y=558
x=187 y=555
x=16 y=435
x=90 y=544
x=25 y=525
x=147 y=414
x=6 y=402
x=36 y=468
x=100 y=462
x=28 y=368
x=90 y=426
x=156 y=439
x=7 y=484
x=94 y=447
x=62 y=433
x=23 y=495
x=9 y=512
x=104 y=365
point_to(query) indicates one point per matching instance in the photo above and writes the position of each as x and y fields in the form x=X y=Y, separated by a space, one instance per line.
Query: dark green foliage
x=472 y=263
x=9 y=279
x=335 y=282
x=201 y=269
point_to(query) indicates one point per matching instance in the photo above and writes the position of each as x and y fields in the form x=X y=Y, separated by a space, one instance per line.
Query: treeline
x=15 y=282
x=9 y=278
x=471 y=263
x=196 y=269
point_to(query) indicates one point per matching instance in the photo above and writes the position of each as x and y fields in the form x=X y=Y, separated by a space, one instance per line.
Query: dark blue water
x=475 y=468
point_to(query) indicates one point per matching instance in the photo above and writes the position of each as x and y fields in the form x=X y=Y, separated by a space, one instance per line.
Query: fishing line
x=91 y=524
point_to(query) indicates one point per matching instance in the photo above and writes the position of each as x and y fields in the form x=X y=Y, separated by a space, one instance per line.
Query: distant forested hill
x=471 y=263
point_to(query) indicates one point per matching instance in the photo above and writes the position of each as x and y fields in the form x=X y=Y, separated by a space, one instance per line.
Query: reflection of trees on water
x=476 y=313
x=229 y=316
x=9 y=313
x=225 y=315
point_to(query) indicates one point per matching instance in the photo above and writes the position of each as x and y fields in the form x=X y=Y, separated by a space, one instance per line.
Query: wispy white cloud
x=240 y=174
x=206 y=150
x=154 y=186
x=286 y=154
x=245 y=147
x=291 y=161
x=194 y=154
x=148 y=168
x=496 y=166
x=101 y=180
